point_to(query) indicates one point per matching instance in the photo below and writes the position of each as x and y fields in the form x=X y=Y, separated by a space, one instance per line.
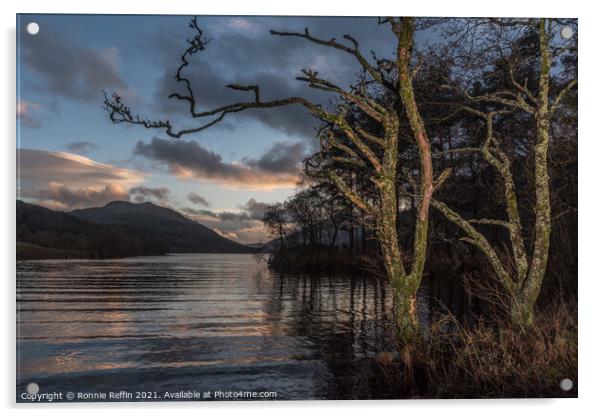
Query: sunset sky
x=71 y=156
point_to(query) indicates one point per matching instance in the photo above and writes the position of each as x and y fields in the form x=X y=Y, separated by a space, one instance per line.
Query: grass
x=488 y=359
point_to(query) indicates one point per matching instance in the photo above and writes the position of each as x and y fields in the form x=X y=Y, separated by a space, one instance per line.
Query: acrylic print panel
x=276 y=208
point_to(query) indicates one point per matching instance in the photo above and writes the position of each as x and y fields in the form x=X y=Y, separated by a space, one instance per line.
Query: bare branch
x=121 y=113
x=364 y=148
x=505 y=97
x=501 y=163
x=350 y=194
x=522 y=88
x=368 y=106
x=376 y=75
x=374 y=139
x=350 y=161
x=331 y=141
x=441 y=179
x=490 y=222
x=561 y=95
x=196 y=44
x=474 y=237
x=239 y=87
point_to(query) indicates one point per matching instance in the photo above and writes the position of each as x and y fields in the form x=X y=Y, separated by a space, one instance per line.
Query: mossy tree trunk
x=404 y=283
x=404 y=286
x=532 y=285
x=409 y=288
x=384 y=211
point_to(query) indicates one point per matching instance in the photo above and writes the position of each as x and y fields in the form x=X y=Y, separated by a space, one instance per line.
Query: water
x=200 y=322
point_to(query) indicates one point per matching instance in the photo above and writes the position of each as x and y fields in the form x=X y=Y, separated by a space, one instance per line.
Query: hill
x=44 y=234
x=152 y=222
x=119 y=229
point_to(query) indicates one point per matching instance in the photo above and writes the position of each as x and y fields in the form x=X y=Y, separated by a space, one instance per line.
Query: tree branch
x=441 y=179
x=561 y=95
x=368 y=136
x=490 y=222
x=374 y=73
x=476 y=239
x=121 y=113
x=368 y=106
x=350 y=194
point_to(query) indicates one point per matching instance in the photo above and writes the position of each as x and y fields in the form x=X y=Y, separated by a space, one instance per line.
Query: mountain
x=152 y=222
x=119 y=229
x=47 y=234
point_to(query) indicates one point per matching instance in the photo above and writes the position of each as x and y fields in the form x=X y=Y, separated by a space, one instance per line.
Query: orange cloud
x=64 y=180
x=278 y=167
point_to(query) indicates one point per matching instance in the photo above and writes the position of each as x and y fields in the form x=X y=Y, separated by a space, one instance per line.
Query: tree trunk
x=522 y=312
x=404 y=294
x=406 y=94
x=541 y=244
x=403 y=286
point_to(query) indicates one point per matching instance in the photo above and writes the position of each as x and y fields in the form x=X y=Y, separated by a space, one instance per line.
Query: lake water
x=201 y=322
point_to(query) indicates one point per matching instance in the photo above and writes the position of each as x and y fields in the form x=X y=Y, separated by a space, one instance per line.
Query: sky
x=71 y=156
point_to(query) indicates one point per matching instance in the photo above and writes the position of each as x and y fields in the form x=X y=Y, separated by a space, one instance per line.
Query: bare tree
x=523 y=279
x=379 y=152
x=277 y=220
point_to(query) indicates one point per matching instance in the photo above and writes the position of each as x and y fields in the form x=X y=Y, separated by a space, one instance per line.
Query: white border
x=589 y=209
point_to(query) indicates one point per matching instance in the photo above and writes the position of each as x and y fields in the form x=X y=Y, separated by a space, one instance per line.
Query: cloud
x=82 y=147
x=70 y=70
x=241 y=23
x=244 y=226
x=66 y=181
x=200 y=213
x=142 y=194
x=255 y=209
x=188 y=159
x=281 y=157
x=197 y=199
x=59 y=196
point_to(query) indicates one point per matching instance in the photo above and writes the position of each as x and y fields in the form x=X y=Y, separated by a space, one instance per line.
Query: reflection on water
x=202 y=322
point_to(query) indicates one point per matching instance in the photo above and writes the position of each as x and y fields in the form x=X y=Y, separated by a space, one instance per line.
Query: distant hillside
x=49 y=234
x=119 y=229
x=152 y=222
